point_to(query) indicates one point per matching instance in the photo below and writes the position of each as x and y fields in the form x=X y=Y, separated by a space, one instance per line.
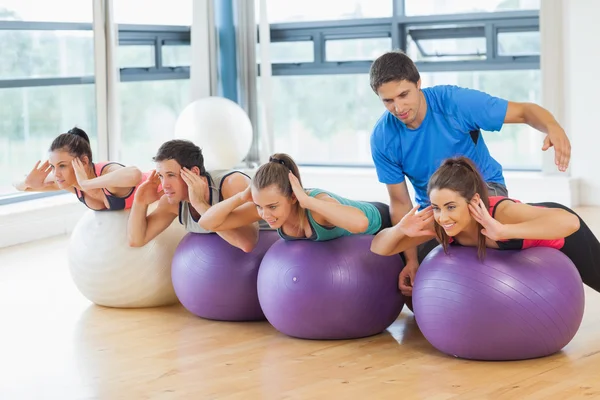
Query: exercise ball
x=215 y=280
x=336 y=289
x=109 y=272
x=220 y=127
x=515 y=305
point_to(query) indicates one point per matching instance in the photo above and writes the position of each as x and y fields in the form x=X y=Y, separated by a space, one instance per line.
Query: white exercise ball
x=108 y=272
x=220 y=127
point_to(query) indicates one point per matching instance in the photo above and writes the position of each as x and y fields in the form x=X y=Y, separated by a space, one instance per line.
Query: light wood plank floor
x=56 y=345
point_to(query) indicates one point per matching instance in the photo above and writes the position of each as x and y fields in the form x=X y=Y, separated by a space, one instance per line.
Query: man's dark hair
x=186 y=153
x=393 y=66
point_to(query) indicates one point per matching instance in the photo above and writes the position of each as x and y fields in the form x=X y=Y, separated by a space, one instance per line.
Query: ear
x=419 y=84
x=195 y=170
x=476 y=197
x=85 y=160
x=294 y=199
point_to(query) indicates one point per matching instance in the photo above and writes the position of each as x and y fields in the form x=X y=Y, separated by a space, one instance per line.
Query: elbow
x=377 y=248
x=248 y=247
x=360 y=226
x=250 y=243
x=205 y=224
x=135 y=243
x=136 y=176
x=574 y=224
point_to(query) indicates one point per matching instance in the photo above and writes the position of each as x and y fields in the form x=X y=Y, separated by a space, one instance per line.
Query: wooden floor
x=56 y=345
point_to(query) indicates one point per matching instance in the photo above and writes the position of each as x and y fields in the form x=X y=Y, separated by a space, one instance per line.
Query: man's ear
x=195 y=170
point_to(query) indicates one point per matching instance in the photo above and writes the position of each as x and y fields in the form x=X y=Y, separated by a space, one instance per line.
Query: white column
x=107 y=76
x=203 y=69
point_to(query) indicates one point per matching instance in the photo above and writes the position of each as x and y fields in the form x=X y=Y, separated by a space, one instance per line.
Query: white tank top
x=215 y=183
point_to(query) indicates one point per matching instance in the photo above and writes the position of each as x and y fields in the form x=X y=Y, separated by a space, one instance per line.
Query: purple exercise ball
x=515 y=305
x=215 y=280
x=336 y=289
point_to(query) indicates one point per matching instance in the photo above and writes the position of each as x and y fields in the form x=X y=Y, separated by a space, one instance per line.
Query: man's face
x=402 y=99
x=174 y=187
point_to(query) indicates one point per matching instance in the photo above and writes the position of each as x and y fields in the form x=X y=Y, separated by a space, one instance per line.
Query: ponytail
x=76 y=142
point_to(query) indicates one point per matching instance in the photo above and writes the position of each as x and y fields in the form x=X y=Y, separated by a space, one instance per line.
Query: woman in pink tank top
x=462 y=213
x=100 y=186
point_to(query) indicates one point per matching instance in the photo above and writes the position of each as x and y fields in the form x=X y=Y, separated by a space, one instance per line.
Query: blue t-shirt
x=452 y=114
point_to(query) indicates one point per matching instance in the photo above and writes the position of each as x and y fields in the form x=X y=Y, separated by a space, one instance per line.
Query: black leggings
x=384 y=211
x=582 y=247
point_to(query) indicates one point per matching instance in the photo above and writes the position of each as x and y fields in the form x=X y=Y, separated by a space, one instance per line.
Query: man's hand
x=558 y=139
x=407 y=278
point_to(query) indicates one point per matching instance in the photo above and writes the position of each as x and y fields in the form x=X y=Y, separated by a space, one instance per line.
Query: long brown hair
x=460 y=175
x=275 y=172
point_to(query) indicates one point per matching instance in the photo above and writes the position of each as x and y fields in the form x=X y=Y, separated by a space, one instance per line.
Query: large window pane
x=149 y=111
x=30 y=118
x=154 y=12
x=516 y=146
x=356 y=49
x=325 y=119
x=39 y=54
x=432 y=7
x=47 y=11
x=317 y=10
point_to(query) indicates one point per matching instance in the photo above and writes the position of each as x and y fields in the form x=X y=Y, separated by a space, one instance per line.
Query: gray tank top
x=215 y=182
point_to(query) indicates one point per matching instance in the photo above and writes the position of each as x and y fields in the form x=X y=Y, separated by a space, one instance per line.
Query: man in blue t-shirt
x=422 y=127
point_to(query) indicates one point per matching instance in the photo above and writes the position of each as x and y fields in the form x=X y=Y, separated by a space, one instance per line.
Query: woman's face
x=450 y=211
x=62 y=168
x=272 y=205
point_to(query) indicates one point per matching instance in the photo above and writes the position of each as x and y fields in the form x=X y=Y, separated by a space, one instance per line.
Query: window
x=149 y=111
x=516 y=146
x=325 y=119
x=432 y=7
x=31 y=118
x=497 y=53
x=40 y=54
x=46 y=11
x=156 y=12
x=314 y=10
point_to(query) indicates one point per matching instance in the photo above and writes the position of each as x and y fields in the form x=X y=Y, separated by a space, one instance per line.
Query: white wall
x=570 y=59
x=581 y=29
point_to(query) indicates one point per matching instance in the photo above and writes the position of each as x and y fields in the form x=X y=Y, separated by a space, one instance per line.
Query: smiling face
x=174 y=187
x=273 y=206
x=451 y=211
x=64 y=175
x=403 y=100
